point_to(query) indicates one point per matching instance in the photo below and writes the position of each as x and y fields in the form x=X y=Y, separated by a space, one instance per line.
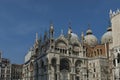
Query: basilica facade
x=69 y=57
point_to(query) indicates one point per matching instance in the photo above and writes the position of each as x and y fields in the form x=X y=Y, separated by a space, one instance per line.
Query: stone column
x=58 y=71
x=49 y=72
x=73 y=72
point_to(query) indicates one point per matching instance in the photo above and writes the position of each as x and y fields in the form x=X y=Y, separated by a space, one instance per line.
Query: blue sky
x=21 y=19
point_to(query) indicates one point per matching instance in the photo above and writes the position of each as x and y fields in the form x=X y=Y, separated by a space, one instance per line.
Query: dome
x=74 y=38
x=107 y=37
x=90 y=39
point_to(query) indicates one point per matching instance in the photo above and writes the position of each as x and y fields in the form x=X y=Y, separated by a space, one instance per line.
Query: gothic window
x=64 y=64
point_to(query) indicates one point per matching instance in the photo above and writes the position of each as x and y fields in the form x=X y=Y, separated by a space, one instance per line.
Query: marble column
x=58 y=71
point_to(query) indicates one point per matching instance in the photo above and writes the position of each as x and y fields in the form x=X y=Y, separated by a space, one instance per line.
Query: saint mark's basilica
x=69 y=57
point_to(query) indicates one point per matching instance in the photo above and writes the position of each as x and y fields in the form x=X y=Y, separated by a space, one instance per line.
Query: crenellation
x=114 y=13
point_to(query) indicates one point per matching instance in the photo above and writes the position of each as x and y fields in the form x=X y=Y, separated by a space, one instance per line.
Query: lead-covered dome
x=107 y=37
x=90 y=39
x=74 y=36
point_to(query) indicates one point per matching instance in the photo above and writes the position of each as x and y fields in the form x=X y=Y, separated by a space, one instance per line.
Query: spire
x=69 y=28
x=110 y=12
x=82 y=37
x=51 y=30
x=36 y=36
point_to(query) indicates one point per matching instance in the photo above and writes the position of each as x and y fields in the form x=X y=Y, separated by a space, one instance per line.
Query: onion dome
x=107 y=37
x=90 y=39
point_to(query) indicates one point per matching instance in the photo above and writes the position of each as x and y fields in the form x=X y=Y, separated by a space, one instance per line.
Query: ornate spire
x=36 y=36
x=69 y=29
x=51 y=30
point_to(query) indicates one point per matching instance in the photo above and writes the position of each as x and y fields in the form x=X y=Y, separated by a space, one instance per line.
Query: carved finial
x=114 y=13
x=110 y=12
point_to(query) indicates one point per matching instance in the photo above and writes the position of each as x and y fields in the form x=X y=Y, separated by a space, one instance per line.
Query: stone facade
x=69 y=57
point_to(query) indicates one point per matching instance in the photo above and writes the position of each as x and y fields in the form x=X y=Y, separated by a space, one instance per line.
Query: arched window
x=64 y=64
